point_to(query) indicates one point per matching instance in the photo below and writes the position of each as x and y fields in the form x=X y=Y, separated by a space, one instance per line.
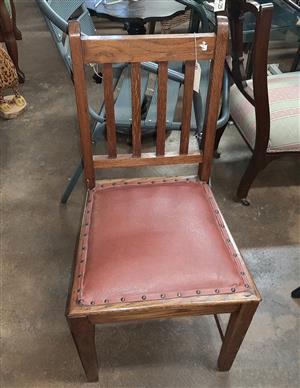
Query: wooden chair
x=157 y=247
x=9 y=33
x=265 y=109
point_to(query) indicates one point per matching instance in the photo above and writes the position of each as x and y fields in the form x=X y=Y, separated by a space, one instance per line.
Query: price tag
x=197 y=77
x=219 y=5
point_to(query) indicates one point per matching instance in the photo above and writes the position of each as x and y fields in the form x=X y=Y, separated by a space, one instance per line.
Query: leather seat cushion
x=165 y=239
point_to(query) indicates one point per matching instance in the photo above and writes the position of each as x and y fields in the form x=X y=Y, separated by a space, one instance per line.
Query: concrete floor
x=38 y=153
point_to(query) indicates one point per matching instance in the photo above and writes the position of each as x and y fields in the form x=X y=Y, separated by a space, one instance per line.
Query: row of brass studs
x=83 y=248
x=163 y=296
x=143 y=182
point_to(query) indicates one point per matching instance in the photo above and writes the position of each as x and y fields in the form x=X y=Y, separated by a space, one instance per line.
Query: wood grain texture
x=146 y=159
x=156 y=48
x=155 y=309
x=161 y=108
x=83 y=333
x=214 y=97
x=136 y=108
x=187 y=106
x=238 y=325
x=82 y=103
x=109 y=110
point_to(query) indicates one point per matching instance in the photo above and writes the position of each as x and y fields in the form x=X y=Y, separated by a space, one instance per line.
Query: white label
x=197 y=77
x=219 y=5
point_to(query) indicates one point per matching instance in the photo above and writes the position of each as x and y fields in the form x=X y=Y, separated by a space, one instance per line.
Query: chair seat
x=284 y=101
x=152 y=240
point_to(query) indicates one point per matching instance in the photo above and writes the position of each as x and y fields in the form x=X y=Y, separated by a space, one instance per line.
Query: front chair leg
x=238 y=325
x=83 y=333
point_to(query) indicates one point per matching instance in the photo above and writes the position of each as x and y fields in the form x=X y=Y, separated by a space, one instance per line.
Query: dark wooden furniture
x=138 y=13
x=267 y=119
x=155 y=247
x=9 y=33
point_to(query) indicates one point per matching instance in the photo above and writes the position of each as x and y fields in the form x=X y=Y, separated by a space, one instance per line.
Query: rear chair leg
x=83 y=333
x=238 y=325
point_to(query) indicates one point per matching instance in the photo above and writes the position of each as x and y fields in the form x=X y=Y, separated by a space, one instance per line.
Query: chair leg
x=238 y=325
x=72 y=183
x=247 y=179
x=219 y=134
x=83 y=333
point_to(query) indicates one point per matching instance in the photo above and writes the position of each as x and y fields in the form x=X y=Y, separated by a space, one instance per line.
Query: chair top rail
x=155 y=48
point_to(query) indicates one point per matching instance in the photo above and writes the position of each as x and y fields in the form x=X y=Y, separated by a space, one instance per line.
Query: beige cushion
x=284 y=99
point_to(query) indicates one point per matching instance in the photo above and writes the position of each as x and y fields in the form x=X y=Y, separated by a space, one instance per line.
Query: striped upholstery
x=284 y=99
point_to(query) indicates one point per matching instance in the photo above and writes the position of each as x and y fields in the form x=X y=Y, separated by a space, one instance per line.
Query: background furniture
x=142 y=253
x=9 y=33
x=138 y=13
x=266 y=110
x=57 y=14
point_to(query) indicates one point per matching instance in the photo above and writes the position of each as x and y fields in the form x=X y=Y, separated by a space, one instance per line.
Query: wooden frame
x=256 y=64
x=241 y=306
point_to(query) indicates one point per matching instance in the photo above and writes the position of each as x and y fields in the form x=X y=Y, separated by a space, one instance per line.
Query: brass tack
x=233 y=289
x=198 y=292
x=122 y=299
x=222 y=225
x=242 y=273
x=235 y=254
x=79 y=301
x=217 y=290
x=247 y=285
x=228 y=240
x=106 y=300
x=216 y=211
x=144 y=297
x=178 y=294
x=92 y=302
x=162 y=296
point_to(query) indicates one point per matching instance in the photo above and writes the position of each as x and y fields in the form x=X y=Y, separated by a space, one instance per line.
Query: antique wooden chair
x=154 y=248
x=265 y=109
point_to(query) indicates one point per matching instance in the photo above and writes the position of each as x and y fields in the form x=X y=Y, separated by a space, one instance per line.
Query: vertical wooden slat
x=136 y=108
x=213 y=101
x=161 y=108
x=109 y=110
x=82 y=103
x=187 y=106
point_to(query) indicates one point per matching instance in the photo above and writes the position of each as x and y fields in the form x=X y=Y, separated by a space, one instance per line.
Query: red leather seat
x=154 y=240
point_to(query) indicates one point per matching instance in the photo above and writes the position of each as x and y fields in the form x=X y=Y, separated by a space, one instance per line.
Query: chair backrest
x=257 y=95
x=108 y=50
x=57 y=14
